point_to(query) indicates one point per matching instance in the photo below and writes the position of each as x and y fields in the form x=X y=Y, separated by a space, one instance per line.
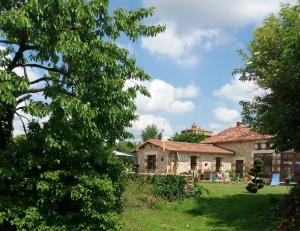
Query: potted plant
x=288 y=179
x=201 y=176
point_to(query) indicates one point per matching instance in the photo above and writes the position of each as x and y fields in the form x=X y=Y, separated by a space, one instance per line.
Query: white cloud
x=194 y=25
x=215 y=13
x=31 y=73
x=238 y=90
x=166 y=98
x=179 y=47
x=224 y=118
x=225 y=115
x=148 y=119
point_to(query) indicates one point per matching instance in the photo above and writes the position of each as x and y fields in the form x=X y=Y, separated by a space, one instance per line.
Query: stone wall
x=246 y=151
x=161 y=159
x=176 y=163
x=243 y=151
x=205 y=162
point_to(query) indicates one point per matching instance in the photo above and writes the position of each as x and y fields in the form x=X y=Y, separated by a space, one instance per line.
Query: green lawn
x=227 y=207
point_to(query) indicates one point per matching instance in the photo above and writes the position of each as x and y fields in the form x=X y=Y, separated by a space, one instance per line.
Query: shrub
x=200 y=190
x=67 y=189
x=251 y=187
x=138 y=178
x=257 y=173
x=169 y=187
x=289 y=211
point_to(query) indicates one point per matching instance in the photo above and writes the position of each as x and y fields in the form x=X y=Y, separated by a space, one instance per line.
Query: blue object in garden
x=275 y=179
x=213 y=178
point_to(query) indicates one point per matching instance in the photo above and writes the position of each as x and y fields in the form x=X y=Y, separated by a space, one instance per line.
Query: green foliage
x=141 y=179
x=169 y=187
x=151 y=132
x=126 y=146
x=62 y=175
x=46 y=185
x=273 y=64
x=258 y=174
x=200 y=190
x=234 y=176
x=289 y=210
x=188 y=137
x=80 y=69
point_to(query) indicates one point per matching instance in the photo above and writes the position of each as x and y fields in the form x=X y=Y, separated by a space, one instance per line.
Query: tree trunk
x=6 y=125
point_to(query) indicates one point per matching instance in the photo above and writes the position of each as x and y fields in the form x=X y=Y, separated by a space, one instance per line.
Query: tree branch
x=23 y=99
x=8 y=42
x=23 y=117
x=53 y=69
x=23 y=124
x=40 y=80
x=34 y=90
x=25 y=73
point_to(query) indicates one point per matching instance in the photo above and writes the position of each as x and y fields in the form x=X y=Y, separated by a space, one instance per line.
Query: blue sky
x=191 y=63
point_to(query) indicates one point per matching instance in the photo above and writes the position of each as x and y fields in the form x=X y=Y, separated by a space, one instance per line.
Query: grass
x=228 y=207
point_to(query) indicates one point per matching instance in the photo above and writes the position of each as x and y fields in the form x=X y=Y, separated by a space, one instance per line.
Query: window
x=151 y=162
x=268 y=146
x=193 y=162
x=290 y=166
x=258 y=146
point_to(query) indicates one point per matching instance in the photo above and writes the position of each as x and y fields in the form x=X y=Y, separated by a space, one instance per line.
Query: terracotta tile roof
x=235 y=134
x=187 y=147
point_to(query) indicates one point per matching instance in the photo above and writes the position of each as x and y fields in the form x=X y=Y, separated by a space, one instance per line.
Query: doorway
x=193 y=162
x=218 y=164
x=239 y=167
x=151 y=162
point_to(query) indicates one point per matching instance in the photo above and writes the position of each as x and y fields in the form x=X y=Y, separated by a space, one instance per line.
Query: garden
x=224 y=207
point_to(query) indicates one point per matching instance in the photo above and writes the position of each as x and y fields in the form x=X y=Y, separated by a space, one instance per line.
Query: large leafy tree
x=188 y=137
x=273 y=64
x=126 y=146
x=151 y=132
x=62 y=176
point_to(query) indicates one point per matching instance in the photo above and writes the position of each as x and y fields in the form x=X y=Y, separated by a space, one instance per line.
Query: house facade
x=233 y=149
x=156 y=156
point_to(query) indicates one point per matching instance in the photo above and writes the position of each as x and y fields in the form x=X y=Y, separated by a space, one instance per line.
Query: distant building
x=197 y=130
x=233 y=149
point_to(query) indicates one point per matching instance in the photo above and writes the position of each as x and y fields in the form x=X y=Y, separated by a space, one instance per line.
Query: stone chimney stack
x=238 y=124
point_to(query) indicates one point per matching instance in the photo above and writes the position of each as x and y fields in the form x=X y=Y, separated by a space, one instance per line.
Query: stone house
x=157 y=156
x=233 y=149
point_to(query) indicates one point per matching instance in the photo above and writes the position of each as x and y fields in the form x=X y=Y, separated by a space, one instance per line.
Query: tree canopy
x=151 y=132
x=126 y=146
x=272 y=62
x=188 y=137
x=60 y=61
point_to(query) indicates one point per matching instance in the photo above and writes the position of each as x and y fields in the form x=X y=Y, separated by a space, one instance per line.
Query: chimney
x=238 y=124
